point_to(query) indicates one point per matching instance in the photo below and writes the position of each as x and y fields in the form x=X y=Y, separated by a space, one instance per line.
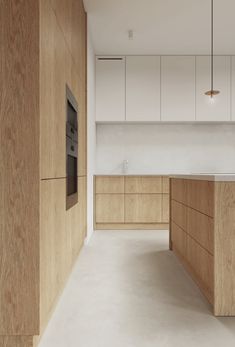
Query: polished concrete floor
x=128 y=290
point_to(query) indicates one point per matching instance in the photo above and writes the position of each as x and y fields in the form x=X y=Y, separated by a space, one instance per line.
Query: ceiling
x=160 y=26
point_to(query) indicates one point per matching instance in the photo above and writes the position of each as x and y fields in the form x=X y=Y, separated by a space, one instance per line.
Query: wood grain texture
x=19 y=169
x=132 y=226
x=143 y=184
x=165 y=208
x=201 y=228
x=224 y=252
x=179 y=239
x=179 y=214
x=202 y=264
x=179 y=190
x=109 y=208
x=109 y=184
x=55 y=72
x=200 y=196
x=16 y=341
x=143 y=208
x=165 y=185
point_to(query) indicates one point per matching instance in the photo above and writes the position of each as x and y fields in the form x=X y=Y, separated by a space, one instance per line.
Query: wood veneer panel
x=200 y=196
x=179 y=190
x=165 y=185
x=179 y=239
x=179 y=214
x=16 y=341
x=143 y=184
x=165 y=208
x=109 y=208
x=109 y=184
x=224 y=249
x=143 y=208
x=201 y=228
x=55 y=240
x=202 y=264
x=19 y=168
x=55 y=72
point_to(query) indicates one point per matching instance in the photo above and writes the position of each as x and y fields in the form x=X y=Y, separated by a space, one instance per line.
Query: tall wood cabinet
x=131 y=202
x=40 y=240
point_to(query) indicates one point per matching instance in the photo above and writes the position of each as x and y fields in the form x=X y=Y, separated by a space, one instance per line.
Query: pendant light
x=212 y=92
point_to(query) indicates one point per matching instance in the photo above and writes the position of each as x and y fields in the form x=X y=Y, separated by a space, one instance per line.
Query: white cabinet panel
x=233 y=88
x=143 y=88
x=218 y=108
x=178 y=88
x=110 y=89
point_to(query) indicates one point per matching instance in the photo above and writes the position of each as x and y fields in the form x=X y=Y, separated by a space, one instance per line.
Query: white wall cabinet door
x=110 y=89
x=233 y=88
x=143 y=88
x=217 y=108
x=178 y=88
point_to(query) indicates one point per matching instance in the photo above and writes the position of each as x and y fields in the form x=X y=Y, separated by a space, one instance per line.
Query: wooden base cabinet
x=202 y=235
x=131 y=202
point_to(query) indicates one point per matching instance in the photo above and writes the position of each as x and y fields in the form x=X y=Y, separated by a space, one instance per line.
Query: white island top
x=215 y=177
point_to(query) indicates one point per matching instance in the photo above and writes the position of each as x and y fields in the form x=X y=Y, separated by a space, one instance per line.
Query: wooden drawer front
x=165 y=185
x=200 y=227
x=179 y=214
x=179 y=190
x=179 y=239
x=109 y=208
x=143 y=208
x=108 y=184
x=165 y=208
x=200 y=196
x=202 y=264
x=142 y=184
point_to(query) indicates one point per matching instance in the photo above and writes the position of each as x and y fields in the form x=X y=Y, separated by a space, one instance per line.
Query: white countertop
x=215 y=177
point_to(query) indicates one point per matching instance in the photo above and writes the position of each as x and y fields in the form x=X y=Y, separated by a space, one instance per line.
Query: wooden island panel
x=202 y=235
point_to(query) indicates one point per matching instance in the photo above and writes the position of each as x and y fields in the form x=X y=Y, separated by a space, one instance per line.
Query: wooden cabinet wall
x=40 y=240
x=202 y=235
x=130 y=202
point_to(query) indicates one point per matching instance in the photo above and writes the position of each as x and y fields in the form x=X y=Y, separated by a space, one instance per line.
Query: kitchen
x=128 y=239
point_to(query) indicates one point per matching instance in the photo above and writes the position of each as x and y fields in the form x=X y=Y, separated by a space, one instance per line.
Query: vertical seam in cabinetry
x=160 y=88
x=195 y=71
x=124 y=200
x=231 y=87
x=125 y=85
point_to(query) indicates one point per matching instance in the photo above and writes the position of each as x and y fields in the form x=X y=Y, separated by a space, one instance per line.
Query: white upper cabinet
x=218 y=108
x=143 y=88
x=110 y=89
x=233 y=89
x=178 y=88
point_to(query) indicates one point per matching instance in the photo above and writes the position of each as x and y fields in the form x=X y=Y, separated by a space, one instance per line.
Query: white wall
x=165 y=148
x=91 y=133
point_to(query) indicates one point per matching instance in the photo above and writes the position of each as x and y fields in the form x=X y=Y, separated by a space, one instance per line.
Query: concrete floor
x=128 y=290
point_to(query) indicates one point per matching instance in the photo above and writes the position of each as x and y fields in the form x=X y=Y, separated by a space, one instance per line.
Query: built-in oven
x=71 y=150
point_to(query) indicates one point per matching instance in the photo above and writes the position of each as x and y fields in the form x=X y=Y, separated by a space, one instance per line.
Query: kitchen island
x=202 y=234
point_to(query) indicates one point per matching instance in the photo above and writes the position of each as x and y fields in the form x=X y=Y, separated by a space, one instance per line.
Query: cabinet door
x=143 y=208
x=109 y=208
x=233 y=88
x=178 y=88
x=165 y=208
x=143 y=184
x=218 y=108
x=110 y=89
x=109 y=184
x=142 y=88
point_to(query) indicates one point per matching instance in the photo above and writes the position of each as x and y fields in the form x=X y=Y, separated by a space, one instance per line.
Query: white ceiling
x=160 y=26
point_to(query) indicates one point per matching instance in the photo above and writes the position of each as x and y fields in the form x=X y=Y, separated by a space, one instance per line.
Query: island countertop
x=214 y=177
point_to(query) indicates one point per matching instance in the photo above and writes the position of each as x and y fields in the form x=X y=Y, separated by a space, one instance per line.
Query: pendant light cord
x=212 y=45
